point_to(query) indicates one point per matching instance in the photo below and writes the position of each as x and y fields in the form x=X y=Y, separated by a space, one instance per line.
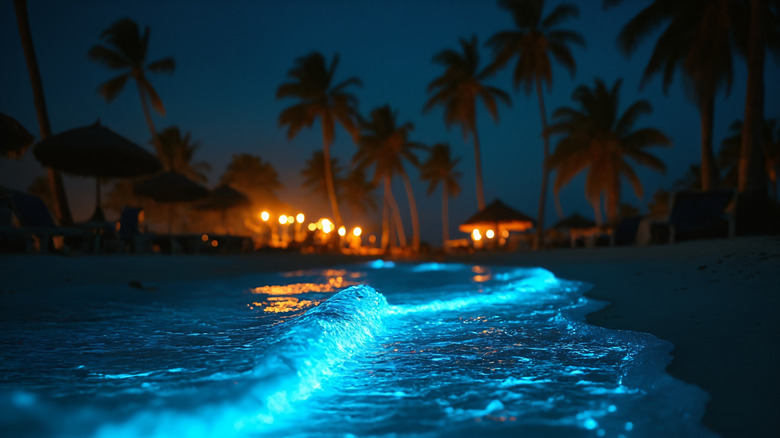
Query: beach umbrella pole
x=98 y=215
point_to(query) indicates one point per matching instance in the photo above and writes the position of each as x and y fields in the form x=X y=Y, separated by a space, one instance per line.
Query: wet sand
x=717 y=301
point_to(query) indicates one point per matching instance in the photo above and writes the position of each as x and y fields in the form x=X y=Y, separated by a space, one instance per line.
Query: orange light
x=265 y=216
x=357 y=232
x=312 y=227
x=342 y=231
x=204 y=237
x=476 y=235
x=327 y=226
x=490 y=234
x=282 y=219
x=290 y=220
x=372 y=238
x=299 y=218
x=214 y=243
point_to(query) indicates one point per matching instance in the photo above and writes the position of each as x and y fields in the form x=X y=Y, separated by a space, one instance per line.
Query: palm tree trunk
x=62 y=210
x=149 y=121
x=596 y=204
x=334 y=203
x=385 y=221
x=709 y=173
x=478 y=164
x=413 y=211
x=395 y=212
x=445 y=223
x=539 y=240
x=752 y=173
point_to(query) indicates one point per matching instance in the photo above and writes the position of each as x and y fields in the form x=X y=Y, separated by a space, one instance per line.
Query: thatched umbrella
x=498 y=216
x=169 y=188
x=222 y=199
x=575 y=221
x=98 y=152
x=14 y=139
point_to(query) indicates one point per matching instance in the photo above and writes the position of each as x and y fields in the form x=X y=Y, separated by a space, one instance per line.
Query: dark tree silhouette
x=62 y=209
x=458 y=89
x=598 y=137
x=125 y=49
x=534 y=42
x=440 y=168
x=385 y=145
x=318 y=97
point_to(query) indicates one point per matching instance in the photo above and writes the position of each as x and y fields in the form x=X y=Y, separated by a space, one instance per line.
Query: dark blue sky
x=231 y=56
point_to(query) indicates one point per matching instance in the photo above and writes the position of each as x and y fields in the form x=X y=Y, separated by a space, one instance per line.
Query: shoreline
x=716 y=301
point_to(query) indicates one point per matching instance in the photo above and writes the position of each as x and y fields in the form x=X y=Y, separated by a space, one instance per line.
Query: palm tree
x=177 y=152
x=730 y=159
x=62 y=209
x=535 y=40
x=249 y=174
x=358 y=191
x=314 y=174
x=385 y=145
x=125 y=49
x=763 y=32
x=598 y=137
x=440 y=168
x=312 y=84
x=696 y=39
x=458 y=89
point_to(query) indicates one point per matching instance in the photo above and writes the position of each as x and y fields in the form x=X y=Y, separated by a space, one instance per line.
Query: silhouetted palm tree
x=62 y=209
x=177 y=155
x=313 y=174
x=440 y=168
x=763 y=32
x=729 y=156
x=385 y=145
x=319 y=98
x=254 y=177
x=126 y=50
x=358 y=192
x=458 y=89
x=697 y=39
x=599 y=138
x=534 y=42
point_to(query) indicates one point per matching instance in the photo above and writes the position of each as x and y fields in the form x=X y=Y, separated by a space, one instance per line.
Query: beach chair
x=696 y=215
x=35 y=221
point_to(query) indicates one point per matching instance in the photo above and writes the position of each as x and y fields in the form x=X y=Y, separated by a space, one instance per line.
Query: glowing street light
x=300 y=218
x=342 y=231
x=357 y=232
x=282 y=219
x=265 y=216
x=476 y=235
x=290 y=220
x=490 y=234
x=327 y=226
x=312 y=227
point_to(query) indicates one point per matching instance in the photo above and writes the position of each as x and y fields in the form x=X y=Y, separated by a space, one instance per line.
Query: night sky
x=232 y=55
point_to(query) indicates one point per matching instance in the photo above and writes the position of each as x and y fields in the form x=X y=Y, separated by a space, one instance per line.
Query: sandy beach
x=716 y=301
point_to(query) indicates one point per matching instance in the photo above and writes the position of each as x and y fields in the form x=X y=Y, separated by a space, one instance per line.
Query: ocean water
x=378 y=349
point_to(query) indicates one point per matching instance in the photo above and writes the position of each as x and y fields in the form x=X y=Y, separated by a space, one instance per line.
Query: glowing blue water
x=371 y=350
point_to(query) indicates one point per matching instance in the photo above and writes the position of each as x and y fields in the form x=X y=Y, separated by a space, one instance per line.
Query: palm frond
x=108 y=57
x=165 y=65
x=112 y=87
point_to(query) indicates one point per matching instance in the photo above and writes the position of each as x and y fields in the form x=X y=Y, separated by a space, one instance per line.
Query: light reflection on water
x=459 y=351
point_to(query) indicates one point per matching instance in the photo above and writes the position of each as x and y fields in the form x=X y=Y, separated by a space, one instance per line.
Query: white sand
x=716 y=301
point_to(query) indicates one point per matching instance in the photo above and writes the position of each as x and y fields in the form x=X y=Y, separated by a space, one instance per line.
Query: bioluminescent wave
x=414 y=350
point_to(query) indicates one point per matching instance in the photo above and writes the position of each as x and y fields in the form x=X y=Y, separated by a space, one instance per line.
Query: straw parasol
x=169 y=188
x=575 y=221
x=500 y=217
x=222 y=199
x=14 y=139
x=95 y=151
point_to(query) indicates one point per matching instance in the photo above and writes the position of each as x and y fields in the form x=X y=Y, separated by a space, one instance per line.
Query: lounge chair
x=35 y=221
x=694 y=215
